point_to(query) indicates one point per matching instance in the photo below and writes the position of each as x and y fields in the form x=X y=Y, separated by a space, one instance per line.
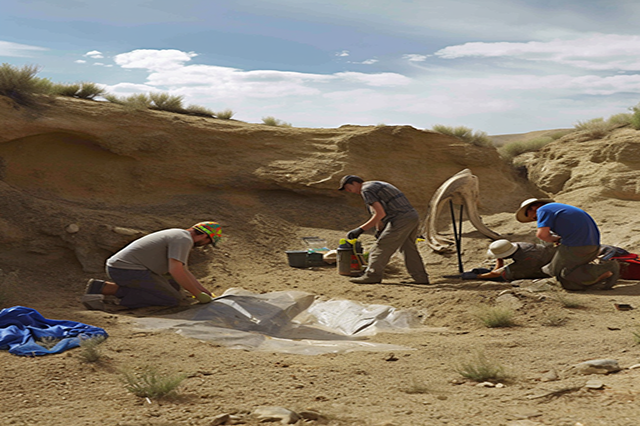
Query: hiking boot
x=366 y=280
x=611 y=280
x=94 y=286
x=93 y=302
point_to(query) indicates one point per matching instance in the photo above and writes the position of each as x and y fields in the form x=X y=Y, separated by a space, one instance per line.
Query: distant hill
x=500 y=140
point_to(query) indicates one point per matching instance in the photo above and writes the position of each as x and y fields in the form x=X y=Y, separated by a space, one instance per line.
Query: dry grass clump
x=481 y=369
x=166 y=102
x=554 y=320
x=225 y=114
x=149 y=382
x=568 y=301
x=200 y=111
x=465 y=134
x=91 y=350
x=597 y=128
x=636 y=336
x=515 y=148
x=21 y=84
x=634 y=120
x=272 y=121
x=495 y=316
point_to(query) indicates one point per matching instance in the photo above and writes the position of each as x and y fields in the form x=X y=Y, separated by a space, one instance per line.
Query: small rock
x=550 y=376
x=391 y=357
x=634 y=366
x=126 y=231
x=597 y=366
x=219 y=420
x=594 y=384
x=486 y=385
x=510 y=301
x=72 y=228
x=500 y=385
x=285 y=416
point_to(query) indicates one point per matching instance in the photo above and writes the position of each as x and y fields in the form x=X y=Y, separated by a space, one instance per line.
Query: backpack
x=629 y=266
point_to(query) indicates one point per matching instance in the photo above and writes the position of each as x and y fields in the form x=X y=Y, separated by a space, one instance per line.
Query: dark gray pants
x=571 y=266
x=144 y=288
x=398 y=235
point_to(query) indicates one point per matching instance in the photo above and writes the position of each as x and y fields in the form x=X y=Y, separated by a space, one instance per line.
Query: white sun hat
x=501 y=248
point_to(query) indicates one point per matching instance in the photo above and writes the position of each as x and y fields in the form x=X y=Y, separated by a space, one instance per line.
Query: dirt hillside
x=81 y=179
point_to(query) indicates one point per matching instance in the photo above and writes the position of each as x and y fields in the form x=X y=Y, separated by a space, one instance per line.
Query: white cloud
x=94 y=54
x=80 y=61
x=386 y=79
x=413 y=57
x=369 y=62
x=154 y=59
x=17 y=50
x=343 y=53
x=595 y=51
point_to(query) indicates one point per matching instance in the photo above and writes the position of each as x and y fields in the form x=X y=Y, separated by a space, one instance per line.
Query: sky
x=495 y=66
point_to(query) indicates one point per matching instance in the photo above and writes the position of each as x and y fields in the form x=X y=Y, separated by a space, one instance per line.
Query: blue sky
x=498 y=66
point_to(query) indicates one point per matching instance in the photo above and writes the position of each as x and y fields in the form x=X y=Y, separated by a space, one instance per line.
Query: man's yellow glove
x=204 y=298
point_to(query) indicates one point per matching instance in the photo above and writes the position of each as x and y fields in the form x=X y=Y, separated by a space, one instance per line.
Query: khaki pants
x=400 y=234
x=571 y=266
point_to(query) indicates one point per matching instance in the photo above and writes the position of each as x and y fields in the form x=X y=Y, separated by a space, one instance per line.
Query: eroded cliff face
x=101 y=166
x=577 y=166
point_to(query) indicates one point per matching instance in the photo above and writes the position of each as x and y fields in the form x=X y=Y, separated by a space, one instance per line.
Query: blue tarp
x=21 y=328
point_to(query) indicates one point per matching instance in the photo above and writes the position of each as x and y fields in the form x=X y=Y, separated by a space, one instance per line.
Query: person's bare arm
x=376 y=218
x=185 y=278
x=494 y=273
x=545 y=234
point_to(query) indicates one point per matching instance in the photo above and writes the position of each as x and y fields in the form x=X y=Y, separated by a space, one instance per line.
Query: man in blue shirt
x=578 y=240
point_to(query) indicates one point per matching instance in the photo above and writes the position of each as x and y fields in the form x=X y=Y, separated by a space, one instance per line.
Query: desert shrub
x=481 y=369
x=495 y=316
x=515 y=148
x=149 y=382
x=200 y=110
x=636 y=336
x=115 y=99
x=595 y=128
x=272 y=121
x=568 y=301
x=137 y=101
x=554 y=320
x=91 y=348
x=225 y=114
x=559 y=133
x=635 y=117
x=416 y=387
x=20 y=84
x=618 y=120
x=166 y=102
x=65 y=89
x=89 y=90
x=465 y=134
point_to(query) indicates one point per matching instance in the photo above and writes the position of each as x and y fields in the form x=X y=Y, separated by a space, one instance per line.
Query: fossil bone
x=461 y=189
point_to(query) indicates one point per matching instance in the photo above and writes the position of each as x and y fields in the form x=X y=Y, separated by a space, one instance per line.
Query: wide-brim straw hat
x=501 y=248
x=520 y=214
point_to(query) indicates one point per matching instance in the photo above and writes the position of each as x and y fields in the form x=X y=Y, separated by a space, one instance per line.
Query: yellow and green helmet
x=212 y=229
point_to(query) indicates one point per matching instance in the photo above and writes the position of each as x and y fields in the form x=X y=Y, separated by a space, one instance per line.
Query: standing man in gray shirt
x=396 y=223
x=138 y=270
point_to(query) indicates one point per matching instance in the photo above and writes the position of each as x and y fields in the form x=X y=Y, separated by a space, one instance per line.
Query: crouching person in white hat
x=527 y=261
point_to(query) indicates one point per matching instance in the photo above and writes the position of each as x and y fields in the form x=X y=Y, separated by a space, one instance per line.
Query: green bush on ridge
x=465 y=134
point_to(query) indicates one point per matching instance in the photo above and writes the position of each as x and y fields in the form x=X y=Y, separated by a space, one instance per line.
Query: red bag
x=629 y=266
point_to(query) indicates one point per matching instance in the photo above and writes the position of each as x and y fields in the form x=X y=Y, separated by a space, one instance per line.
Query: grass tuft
x=272 y=121
x=200 y=111
x=568 y=301
x=636 y=336
x=152 y=384
x=21 y=84
x=596 y=128
x=465 y=134
x=166 y=102
x=495 y=316
x=417 y=387
x=89 y=90
x=515 y=148
x=225 y=114
x=481 y=369
x=91 y=350
x=554 y=320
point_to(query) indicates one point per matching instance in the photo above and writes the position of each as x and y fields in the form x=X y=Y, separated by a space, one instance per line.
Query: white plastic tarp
x=286 y=321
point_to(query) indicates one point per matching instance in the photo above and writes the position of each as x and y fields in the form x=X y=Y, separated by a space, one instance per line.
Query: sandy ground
x=92 y=165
